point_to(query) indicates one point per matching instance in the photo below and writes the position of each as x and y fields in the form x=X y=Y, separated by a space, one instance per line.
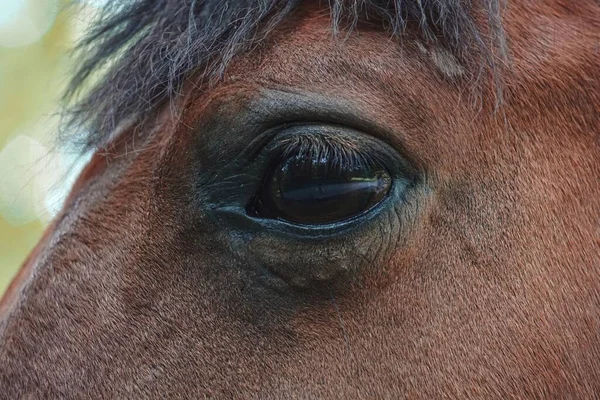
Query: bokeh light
x=25 y=21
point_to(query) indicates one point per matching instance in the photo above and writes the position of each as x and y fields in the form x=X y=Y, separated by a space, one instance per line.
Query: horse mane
x=139 y=52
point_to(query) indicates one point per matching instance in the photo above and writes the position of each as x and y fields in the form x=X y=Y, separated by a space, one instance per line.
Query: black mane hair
x=148 y=47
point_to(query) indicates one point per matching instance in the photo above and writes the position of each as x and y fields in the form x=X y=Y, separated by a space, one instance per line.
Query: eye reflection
x=314 y=190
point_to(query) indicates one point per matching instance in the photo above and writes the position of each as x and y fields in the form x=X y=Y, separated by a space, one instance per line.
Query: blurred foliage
x=33 y=74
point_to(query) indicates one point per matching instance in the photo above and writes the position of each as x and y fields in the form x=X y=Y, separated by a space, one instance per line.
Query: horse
x=342 y=199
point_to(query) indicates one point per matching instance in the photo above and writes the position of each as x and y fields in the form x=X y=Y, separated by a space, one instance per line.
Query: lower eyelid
x=332 y=255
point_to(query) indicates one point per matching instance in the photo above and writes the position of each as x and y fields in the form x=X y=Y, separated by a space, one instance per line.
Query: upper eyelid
x=254 y=117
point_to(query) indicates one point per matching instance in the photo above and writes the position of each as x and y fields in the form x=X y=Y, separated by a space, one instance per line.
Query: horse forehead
x=365 y=69
x=310 y=50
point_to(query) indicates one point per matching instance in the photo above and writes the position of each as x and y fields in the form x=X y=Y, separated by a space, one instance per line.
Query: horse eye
x=312 y=190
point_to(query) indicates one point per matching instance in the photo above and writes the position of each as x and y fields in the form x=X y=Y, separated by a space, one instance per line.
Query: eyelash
x=340 y=153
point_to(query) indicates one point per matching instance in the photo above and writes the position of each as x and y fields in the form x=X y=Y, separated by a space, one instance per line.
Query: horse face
x=184 y=265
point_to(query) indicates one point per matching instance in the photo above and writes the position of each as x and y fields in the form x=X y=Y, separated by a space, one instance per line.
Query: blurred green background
x=35 y=173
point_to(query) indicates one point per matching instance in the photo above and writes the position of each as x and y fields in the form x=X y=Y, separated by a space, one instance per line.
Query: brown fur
x=487 y=285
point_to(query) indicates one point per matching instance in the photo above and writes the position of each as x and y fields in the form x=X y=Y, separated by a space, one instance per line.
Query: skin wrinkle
x=483 y=284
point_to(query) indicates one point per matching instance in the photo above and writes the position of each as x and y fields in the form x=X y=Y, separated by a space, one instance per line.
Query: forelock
x=148 y=47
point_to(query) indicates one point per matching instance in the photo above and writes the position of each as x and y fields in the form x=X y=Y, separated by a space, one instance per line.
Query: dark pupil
x=312 y=191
